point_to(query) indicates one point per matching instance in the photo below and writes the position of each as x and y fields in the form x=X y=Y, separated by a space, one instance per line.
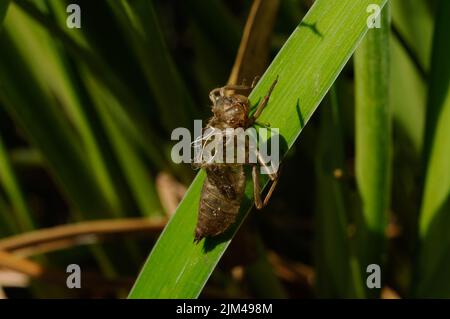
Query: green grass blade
x=373 y=140
x=23 y=217
x=136 y=174
x=408 y=109
x=434 y=258
x=333 y=250
x=139 y=20
x=307 y=66
x=126 y=117
x=46 y=126
x=81 y=52
x=414 y=23
x=40 y=115
x=62 y=85
x=408 y=117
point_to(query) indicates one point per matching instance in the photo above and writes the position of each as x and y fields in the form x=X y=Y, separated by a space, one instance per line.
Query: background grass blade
x=412 y=21
x=83 y=53
x=373 y=141
x=132 y=165
x=404 y=77
x=8 y=180
x=59 y=80
x=49 y=127
x=334 y=254
x=139 y=20
x=432 y=268
x=307 y=66
x=408 y=117
x=58 y=141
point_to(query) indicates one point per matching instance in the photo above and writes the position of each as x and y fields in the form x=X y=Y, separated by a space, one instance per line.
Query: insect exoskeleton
x=224 y=186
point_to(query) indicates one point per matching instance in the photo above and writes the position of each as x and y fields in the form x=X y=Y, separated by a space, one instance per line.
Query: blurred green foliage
x=86 y=116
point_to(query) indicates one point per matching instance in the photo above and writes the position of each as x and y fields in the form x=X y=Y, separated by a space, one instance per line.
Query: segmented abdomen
x=220 y=199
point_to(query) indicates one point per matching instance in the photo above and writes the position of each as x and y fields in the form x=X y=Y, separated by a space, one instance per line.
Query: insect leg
x=213 y=95
x=272 y=176
x=259 y=203
x=255 y=81
x=263 y=103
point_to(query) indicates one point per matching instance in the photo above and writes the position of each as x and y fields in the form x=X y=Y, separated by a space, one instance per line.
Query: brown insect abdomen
x=219 y=201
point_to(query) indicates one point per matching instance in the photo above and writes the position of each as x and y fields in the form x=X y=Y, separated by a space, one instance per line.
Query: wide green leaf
x=373 y=141
x=307 y=66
